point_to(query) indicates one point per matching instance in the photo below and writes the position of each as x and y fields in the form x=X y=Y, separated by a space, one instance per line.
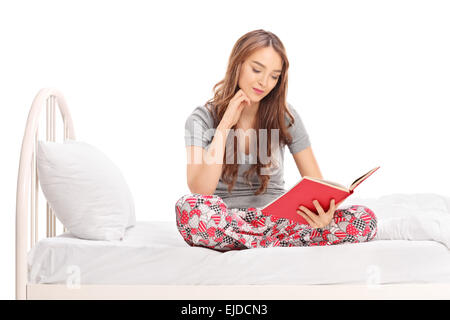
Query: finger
x=237 y=95
x=318 y=207
x=332 y=208
x=332 y=204
x=310 y=214
x=308 y=219
x=244 y=98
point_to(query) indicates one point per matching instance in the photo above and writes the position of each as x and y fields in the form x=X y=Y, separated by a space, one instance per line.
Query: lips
x=258 y=91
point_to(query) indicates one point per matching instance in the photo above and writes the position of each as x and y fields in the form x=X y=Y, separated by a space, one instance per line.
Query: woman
x=231 y=177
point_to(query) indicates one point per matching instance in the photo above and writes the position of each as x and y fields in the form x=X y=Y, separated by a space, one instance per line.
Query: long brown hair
x=272 y=108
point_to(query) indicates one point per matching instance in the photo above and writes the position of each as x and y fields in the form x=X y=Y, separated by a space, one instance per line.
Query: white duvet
x=423 y=216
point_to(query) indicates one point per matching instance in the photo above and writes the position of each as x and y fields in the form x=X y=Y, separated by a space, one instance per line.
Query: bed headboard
x=27 y=212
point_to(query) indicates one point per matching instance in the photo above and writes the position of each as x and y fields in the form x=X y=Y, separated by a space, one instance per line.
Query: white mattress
x=155 y=253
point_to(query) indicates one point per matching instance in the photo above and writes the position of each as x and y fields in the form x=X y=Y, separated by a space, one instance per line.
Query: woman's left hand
x=320 y=220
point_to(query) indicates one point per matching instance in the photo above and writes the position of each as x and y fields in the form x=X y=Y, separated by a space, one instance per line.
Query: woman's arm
x=307 y=164
x=204 y=168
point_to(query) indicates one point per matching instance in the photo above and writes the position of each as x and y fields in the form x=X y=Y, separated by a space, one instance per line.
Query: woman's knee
x=357 y=220
x=184 y=199
x=203 y=206
x=192 y=200
x=185 y=204
x=372 y=223
x=197 y=218
x=368 y=216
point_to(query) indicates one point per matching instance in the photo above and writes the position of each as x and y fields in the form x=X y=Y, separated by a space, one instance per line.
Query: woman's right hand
x=235 y=107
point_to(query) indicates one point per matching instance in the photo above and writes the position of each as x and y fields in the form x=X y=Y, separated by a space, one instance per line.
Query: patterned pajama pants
x=205 y=220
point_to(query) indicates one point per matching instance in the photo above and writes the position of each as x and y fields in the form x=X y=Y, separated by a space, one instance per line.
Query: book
x=307 y=190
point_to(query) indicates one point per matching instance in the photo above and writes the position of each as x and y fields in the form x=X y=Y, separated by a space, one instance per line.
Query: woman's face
x=260 y=71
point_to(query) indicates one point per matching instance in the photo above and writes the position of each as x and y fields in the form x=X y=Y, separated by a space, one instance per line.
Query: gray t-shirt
x=199 y=131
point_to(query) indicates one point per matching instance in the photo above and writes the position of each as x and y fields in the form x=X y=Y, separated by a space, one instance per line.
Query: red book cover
x=307 y=190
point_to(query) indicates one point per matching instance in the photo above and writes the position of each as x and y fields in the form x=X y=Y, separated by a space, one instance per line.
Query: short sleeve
x=300 y=137
x=199 y=128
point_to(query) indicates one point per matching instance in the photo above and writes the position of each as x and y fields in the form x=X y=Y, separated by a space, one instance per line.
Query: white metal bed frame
x=27 y=211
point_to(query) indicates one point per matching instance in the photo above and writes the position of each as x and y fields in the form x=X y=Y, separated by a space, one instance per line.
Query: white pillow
x=85 y=189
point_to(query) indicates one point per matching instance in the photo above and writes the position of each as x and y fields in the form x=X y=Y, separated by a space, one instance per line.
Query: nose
x=263 y=80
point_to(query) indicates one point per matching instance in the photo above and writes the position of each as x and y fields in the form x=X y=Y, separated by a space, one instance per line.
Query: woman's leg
x=352 y=224
x=205 y=220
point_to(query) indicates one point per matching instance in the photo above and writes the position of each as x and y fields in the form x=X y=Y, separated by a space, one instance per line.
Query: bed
x=408 y=259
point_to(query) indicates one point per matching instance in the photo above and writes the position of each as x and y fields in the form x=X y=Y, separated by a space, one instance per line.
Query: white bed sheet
x=155 y=253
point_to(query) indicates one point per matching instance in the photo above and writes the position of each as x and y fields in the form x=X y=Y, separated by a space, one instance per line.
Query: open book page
x=362 y=178
x=339 y=186
x=330 y=183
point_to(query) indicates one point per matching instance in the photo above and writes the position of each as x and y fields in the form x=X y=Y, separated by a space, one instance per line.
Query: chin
x=255 y=97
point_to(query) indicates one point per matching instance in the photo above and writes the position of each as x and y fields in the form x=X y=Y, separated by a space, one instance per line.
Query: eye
x=258 y=71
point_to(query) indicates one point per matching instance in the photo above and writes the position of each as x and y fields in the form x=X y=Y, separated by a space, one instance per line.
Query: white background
x=370 y=80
